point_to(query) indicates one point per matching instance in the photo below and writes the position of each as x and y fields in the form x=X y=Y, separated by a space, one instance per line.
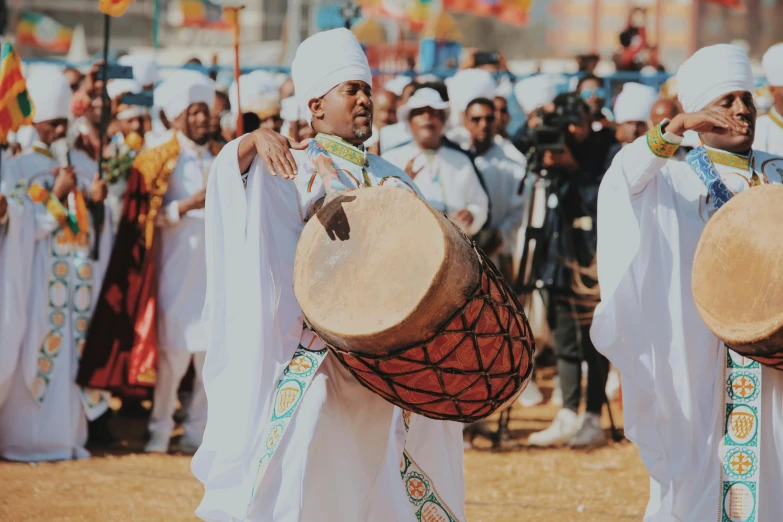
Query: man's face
x=480 y=122
x=51 y=130
x=131 y=125
x=219 y=107
x=662 y=110
x=345 y=111
x=427 y=127
x=628 y=131
x=74 y=78
x=593 y=94
x=194 y=123
x=385 y=109
x=777 y=96
x=273 y=122
x=738 y=105
x=502 y=117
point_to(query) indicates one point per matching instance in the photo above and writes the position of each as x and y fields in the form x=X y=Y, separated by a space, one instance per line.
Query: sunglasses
x=600 y=92
x=477 y=119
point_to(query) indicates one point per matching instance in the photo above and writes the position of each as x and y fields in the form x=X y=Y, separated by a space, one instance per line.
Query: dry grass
x=521 y=484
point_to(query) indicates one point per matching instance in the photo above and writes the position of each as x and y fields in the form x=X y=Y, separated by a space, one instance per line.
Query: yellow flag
x=114 y=7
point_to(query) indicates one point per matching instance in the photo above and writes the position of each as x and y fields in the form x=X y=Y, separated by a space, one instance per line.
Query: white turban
x=398 y=84
x=536 y=91
x=183 y=89
x=634 y=103
x=252 y=88
x=469 y=84
x=773 y=65
x=116 y=87
x=50 y=93
x=145 y=70
x=712 y=72
x=324 y=61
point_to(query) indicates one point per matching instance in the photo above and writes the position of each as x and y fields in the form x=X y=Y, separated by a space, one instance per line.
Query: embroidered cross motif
x=740 y=463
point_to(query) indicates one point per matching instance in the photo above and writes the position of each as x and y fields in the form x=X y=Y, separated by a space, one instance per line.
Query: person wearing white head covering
x=535 y=92
x=254 y=87
x=632 y=111
x=145 y=69
x=464 y=87
x=334 y=427
x=652 y=209
x=53 y=282
x=172 y=178
x=769 y=128
x=444 y=175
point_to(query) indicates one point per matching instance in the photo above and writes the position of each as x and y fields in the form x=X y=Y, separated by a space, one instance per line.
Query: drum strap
x=291 y=387
x=740 y=447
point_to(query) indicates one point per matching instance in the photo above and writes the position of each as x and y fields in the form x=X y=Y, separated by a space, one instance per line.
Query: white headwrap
x=773 y=65
x=145 y=70
x=536 y=91
x=183 y=89
x=116 y=87
x=252 y=87
x=712 y=72
x=398 y=84
x=634 y=103
x=469 y=84
x=324 y=61
x=50 y=93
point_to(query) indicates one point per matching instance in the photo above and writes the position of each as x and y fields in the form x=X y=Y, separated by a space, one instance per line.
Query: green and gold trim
x=659 y=145
x=342 y=149
x=728 y=159
x=776 y=118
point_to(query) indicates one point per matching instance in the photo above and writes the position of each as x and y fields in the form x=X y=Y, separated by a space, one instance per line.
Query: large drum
x=410 y=307
x=738 y=274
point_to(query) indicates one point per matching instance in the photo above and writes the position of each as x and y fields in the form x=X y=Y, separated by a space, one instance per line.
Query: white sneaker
x=565 y=426
x=557 y=393
x=158 y=443
x=532 y=396
x=189 y=445
x=613 y=385
x=590 y=433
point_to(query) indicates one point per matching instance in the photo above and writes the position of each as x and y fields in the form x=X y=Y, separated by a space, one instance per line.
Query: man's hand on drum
x=273 y=149
x=462 y=218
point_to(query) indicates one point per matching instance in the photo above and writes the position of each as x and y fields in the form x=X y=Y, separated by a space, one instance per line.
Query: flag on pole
x=16 y=108
x=42 y=32
x=114 y=7
x=203 y=13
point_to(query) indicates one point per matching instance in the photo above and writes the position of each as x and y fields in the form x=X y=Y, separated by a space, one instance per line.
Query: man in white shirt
x=444 y=175
x=652 y=210
x=769 y=128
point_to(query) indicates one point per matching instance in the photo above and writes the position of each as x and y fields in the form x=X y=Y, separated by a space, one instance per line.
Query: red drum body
x=411 y=308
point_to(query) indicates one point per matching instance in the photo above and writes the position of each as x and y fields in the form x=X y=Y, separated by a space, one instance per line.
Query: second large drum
x=411 y=307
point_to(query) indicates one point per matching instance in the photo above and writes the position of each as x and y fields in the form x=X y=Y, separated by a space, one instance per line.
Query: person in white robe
x=186 y=97
x=769 y=128
x=652 y=209
x=51 y=233
x=503 y=178
x=335 y=452
x=445 y=176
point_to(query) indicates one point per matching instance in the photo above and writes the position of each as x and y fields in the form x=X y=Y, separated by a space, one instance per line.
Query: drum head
x=737 y=270
x=368 y=260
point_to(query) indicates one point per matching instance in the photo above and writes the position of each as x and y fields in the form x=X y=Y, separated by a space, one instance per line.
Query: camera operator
x=565 y=151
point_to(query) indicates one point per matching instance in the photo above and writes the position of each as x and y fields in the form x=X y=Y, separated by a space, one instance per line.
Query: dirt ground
x=515 y=484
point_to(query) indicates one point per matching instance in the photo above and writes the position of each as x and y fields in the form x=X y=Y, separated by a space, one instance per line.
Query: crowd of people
x=105 y=276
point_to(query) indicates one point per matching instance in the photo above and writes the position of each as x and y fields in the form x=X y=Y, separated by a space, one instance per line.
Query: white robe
x=651 y=213
x=339 y=459
x=181 y=261
x=769 y=135
x=449 y=182
x=40 y=421
x=503 y=177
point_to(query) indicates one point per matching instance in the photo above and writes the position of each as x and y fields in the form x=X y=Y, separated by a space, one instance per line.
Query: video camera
x=552 y=133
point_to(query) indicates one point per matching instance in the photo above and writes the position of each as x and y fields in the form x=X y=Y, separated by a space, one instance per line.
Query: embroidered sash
x=740 y=447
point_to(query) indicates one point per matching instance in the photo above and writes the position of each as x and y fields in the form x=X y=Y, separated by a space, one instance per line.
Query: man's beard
x=362 y=133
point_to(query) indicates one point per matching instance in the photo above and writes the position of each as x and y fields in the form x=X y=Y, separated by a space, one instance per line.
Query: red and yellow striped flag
x=114 y=7
x=16 y=108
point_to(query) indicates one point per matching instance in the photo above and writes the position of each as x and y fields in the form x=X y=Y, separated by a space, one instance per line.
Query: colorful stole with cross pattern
x=420 y=489
x=740 y=447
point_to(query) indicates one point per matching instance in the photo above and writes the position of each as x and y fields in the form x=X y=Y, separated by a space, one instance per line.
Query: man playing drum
x=291 y=435
x=712 y=446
